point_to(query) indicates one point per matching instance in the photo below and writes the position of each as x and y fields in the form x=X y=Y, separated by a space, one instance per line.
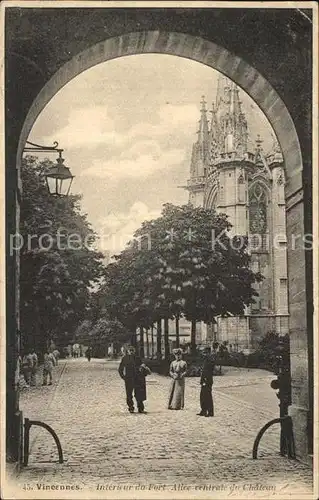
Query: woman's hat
x=177 y=351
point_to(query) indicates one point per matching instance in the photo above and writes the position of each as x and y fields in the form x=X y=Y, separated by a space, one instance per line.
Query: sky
x=127 y=127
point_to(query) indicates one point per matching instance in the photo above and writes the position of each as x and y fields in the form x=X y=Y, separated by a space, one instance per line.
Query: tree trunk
x=166 y=341
x=159 y=339
x=193 y=338
x=147 y=344
x=141 y=342
x=177 y=330
x=133 y=337
x=152 y=340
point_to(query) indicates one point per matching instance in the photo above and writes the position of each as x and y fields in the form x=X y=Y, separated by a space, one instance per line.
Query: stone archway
x=259 y=89
x=190 y=47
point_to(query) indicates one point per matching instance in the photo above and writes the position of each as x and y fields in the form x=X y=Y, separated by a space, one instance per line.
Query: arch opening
x=190 y=47
x=212 y=55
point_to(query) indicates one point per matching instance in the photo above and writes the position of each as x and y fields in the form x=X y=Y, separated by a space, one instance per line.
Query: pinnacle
x=259 y=142
x=203 y=103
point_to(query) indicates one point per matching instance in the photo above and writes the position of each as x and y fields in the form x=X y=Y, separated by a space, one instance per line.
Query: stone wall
x=298 y=324
x=259 y=327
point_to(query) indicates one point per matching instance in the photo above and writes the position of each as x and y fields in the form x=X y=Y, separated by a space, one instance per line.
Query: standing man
x=206 y=382
x=133 y=372
x=27 y=365
x=56 y=355
x=34 y=368
x=88 y=353
x=49 y=363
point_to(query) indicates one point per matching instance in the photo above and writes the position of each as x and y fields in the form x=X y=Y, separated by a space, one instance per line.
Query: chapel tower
x=200 y=160
x=238 y=178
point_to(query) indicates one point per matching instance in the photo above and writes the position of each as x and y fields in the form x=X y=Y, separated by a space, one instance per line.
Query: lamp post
x=283 y=384
x=58 y=177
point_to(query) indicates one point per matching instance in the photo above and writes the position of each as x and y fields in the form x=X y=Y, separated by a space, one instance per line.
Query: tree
x=183 y=263
x=105 y=332
x=83 y=332
x=205 y=271
x=59 y=265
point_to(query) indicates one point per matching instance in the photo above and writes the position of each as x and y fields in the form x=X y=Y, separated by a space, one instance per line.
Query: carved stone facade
x=247 y=184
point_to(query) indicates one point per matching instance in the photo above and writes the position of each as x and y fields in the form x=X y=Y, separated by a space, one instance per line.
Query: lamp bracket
x=45 y=149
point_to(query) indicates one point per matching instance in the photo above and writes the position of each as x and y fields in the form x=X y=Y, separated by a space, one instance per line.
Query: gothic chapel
x=248 y=185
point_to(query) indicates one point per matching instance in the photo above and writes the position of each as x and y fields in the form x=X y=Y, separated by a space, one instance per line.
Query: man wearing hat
x=133 y=372
x=206 y=382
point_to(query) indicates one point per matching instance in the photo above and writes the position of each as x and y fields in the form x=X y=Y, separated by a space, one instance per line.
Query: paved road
x=105 y=446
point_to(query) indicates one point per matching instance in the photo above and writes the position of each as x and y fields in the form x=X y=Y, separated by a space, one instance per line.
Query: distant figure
x=216 y=355
x=56 y=354
x=133 y=372
x=34 y=368
x=75 y=350
x=177 y=371
x=49 y=363
x=66 y=352
x=27 y=365
x=206 y=382
x=223 y=349
x=88 y=353
x=20 y=380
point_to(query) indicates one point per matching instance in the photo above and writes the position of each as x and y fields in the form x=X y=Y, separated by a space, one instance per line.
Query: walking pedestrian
x=206 y=382
x=27 y=364
x=133 y=372
x=76 y=350
x=88 y=353
x=177 y=371
x=49 y=363
x=34 y=368
x=56 y=355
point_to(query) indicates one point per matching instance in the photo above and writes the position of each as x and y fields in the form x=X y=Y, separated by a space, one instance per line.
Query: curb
x=35 y=435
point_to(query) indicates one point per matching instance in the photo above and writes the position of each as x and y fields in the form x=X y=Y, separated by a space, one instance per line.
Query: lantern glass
x=59 y=179
x=51 y=183
x=64 y=186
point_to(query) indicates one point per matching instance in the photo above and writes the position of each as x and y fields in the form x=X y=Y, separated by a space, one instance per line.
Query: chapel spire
x=214 y=134
x=232 y=122
x=203 y=134
x=222 y=87
x=235 y=103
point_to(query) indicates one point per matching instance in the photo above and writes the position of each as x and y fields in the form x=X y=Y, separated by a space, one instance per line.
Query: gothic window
x=281 y=190
x=241 y=189
x=221 y=194
x=283 y=293
x=257 y=210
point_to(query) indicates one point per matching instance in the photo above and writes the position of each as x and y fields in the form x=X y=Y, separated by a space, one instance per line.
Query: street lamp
x=58 y=177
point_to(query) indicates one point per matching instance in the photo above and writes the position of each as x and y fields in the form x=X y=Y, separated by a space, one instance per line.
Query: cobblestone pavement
x=105 y=447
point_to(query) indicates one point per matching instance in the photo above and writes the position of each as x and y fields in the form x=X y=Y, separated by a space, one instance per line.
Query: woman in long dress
x=177 y=371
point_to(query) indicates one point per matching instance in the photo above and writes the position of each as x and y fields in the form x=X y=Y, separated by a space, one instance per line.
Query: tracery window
x=257 y=210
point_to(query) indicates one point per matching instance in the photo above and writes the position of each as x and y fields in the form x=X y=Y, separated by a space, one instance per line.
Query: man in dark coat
x=206 y=382
x=88 y=353
x=133 y=372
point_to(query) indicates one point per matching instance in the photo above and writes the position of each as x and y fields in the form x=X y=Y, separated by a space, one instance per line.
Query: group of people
x=29 y=365
x=133 y=371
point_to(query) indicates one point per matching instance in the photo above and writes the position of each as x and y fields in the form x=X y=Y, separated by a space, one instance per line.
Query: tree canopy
x=58 y=262
x=186 y=262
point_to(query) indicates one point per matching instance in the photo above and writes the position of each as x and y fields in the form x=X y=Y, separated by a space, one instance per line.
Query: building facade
x=236 y=177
